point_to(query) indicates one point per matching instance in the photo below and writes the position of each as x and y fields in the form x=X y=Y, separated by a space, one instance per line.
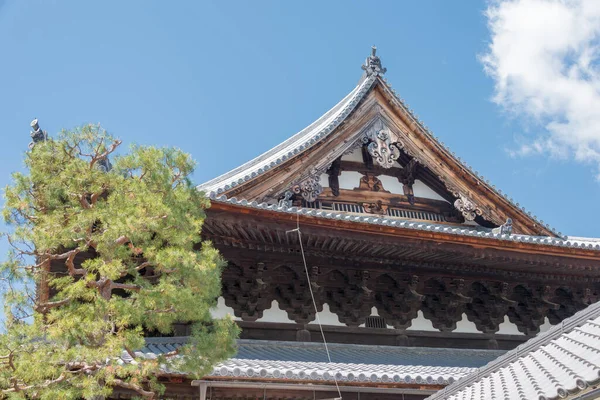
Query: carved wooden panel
x=246 y=290
x=489 y=306
x=351 y=298
x=293 y=295
x=444 y=302
x=397 y=299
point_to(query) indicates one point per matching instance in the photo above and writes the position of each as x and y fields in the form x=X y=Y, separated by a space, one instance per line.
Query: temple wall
x=422 y=190
x=391 y=184
x=420 y=323
x=355 y=156
x=324 y=180
x=349 y=179
x=221 y=310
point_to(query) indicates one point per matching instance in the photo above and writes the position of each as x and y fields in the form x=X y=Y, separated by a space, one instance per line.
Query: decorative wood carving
x=352 y=300
x=371 y=183
x=531 y=309
x=334 y=172
x=293 y=295
x=570 y=301
x=309 y=188
x=375 y=208
x=490 y=305
x=445 y=303
x=536 y=285
x=468 y=209
x=407 y=177
x=380 y=144
x=397 y=300
x=245 y=290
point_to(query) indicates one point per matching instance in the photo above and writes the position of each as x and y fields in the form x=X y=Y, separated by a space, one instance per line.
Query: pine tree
x=100 y=256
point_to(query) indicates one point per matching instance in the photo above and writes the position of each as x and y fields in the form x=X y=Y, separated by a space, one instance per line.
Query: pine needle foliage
x=98 y=258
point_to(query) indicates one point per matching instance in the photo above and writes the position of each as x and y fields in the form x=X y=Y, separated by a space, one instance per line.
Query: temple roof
x=563 y=362
x=462 y=230
x=326 y=128
x=305 y=361
x=298 y=143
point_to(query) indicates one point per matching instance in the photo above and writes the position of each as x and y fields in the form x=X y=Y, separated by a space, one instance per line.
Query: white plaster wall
x=508 y=328
x=274 y=314
x=391 y=184
x=547 y=325
x=356 y=156
x=324 y=180
x=374 y=313
x=221 y=310
x=466 y=326
x=328 y=318
x=422 y=190
x=421 y=324
x=349 y=180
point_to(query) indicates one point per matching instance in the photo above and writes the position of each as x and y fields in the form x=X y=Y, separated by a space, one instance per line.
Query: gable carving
x=372 y=183
x=468 y=209
x=309 y=188
x=382 y=144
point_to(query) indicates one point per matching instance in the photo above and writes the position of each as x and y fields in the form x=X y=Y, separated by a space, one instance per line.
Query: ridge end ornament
x=37 y=135
x=372 y=65
x=286 y=200
x=309 y=188
x=505 y=228
x=468 y=209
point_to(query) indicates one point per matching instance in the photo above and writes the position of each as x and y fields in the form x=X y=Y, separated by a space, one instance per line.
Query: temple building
x=421 y=270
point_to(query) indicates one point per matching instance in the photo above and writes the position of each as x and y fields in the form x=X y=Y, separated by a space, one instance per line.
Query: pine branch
x=97 y=157
x=45 y=307
x=17 y=388
x=136 y=388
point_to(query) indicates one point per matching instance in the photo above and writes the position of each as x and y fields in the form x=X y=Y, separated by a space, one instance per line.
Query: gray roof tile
x=351 y=363
x=562 y=362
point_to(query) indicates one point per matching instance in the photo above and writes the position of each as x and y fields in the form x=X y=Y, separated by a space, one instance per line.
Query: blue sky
x=228 y=80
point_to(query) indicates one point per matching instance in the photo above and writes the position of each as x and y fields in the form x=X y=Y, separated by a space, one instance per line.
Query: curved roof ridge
x=463 y=163
x=301 y=141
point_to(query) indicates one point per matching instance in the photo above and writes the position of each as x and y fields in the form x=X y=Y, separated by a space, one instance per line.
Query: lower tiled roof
x=300 y=361
x=563 y=362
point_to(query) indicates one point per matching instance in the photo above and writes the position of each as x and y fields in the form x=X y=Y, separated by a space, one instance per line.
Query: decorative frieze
x=352 y=293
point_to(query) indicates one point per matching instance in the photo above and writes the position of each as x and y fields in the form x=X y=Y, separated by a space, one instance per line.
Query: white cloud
x=544 y=57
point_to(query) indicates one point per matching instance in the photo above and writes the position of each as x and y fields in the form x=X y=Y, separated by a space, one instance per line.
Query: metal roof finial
x=373 y=64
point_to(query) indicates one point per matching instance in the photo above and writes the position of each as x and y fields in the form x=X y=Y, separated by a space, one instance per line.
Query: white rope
x=313 y=299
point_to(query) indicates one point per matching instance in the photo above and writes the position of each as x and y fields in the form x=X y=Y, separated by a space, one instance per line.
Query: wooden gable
x=378 y=159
